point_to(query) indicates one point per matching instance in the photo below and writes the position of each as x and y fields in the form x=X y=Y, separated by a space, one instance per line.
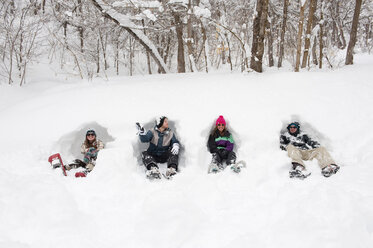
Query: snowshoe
x=236 y=167
x=153 y=173
x=299 y=172
x=170 y=173
x=213 y=168
x=56 y=161
x=330 y=170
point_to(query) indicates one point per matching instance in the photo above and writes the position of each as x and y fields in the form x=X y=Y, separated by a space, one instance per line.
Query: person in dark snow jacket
x=163 y=147
x=300 y=147
x=220 y=145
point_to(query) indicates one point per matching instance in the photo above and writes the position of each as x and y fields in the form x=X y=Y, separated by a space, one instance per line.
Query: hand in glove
x=140 y=129
x=175 y=149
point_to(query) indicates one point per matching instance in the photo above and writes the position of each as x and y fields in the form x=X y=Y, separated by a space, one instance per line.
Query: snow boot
x=153 y=173
x=298 y=171
x=329 y=170
x=171 y=171
x=213 y=168
x=236 y=167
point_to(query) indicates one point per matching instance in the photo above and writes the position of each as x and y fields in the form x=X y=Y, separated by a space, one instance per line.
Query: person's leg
x=322 y=156
x=173 y=161
x=90 y=155
x=148 y=160
x=296 y=155
x=231 y=158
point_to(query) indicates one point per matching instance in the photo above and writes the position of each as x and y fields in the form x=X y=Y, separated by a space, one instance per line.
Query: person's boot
x=329 y=170
x=171 y=171
x=153 y=173
x=298 y=171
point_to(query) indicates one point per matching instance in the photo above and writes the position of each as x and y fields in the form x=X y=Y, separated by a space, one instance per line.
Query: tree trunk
x=351 y=44
x=299 y=37
x=321 y=42
x=180 y=44
x=270 y=44
x=190 y=37
x=314 y=56
x=259 y=26
x=284 y=20
x=307 y=41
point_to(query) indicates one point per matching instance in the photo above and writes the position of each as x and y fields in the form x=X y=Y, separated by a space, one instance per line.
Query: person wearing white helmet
x=163 y=147
x=90 y=148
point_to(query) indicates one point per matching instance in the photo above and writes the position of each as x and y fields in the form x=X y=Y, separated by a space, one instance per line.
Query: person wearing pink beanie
x=220 y=145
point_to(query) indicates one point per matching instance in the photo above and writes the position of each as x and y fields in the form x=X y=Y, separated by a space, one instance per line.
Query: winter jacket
x=217 y=142
x=160 y=143
x=299 y=140
x=98 y=144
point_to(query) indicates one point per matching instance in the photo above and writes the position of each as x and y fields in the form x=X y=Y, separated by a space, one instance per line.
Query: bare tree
x=307 y=41
x=300 y=32
x=283 y=30
x=351 y=44
x=259 y=27
x=107 y=11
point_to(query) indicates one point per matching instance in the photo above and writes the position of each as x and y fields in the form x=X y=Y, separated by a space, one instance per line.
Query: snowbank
x=116 y=206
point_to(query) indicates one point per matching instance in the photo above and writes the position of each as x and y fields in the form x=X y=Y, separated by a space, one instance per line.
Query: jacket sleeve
x=310 y=142
x=174 y=140
x=284 y=142
x=147 y=137
x=212 y=145
x=83 y=148
x=230 y=143
x=100 y=145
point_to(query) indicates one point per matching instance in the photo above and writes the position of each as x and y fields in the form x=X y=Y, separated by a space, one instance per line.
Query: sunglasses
x=293 y=127
x=221 y=125
x=91 y=134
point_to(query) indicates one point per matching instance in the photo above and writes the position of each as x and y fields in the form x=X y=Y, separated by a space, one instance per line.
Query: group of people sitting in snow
x=164 y=147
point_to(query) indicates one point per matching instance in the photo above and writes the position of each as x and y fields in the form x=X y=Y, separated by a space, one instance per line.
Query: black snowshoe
x=298 y=171
x=330 y=170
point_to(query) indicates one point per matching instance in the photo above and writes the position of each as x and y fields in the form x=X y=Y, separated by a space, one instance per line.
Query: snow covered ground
x=115 y=206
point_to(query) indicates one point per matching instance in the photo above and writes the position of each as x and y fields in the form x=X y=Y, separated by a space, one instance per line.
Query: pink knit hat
x=220 y=120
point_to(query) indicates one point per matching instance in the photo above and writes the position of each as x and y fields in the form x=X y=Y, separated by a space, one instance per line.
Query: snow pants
x=150 y=160
x=321 y=154
x=229 y=156
x=90 y=158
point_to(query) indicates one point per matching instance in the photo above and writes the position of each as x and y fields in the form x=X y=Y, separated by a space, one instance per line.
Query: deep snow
x=115 y=206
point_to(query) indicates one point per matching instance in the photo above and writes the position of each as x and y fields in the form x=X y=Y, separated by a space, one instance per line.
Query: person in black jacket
x=301 y=147
x=163 y=147
x=220 y=145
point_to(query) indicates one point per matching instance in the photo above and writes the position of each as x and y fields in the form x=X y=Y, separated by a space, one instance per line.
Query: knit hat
x=90 y=131
x=159 y=121
x=220 y=120
x=296 y=124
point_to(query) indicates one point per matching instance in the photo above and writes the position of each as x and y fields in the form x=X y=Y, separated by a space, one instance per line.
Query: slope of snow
x=115 y=206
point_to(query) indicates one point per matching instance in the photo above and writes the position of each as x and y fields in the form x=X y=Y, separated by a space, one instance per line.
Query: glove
x=283 y=148
x=175 y=149
x=140 y=129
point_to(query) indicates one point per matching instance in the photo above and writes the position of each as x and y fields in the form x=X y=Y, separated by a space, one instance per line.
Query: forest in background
x=89 y=38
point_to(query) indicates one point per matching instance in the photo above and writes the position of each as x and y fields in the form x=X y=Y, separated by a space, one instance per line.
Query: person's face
x=165 y=124
x=91 y=137
x=293 y=129
x=221 y=127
